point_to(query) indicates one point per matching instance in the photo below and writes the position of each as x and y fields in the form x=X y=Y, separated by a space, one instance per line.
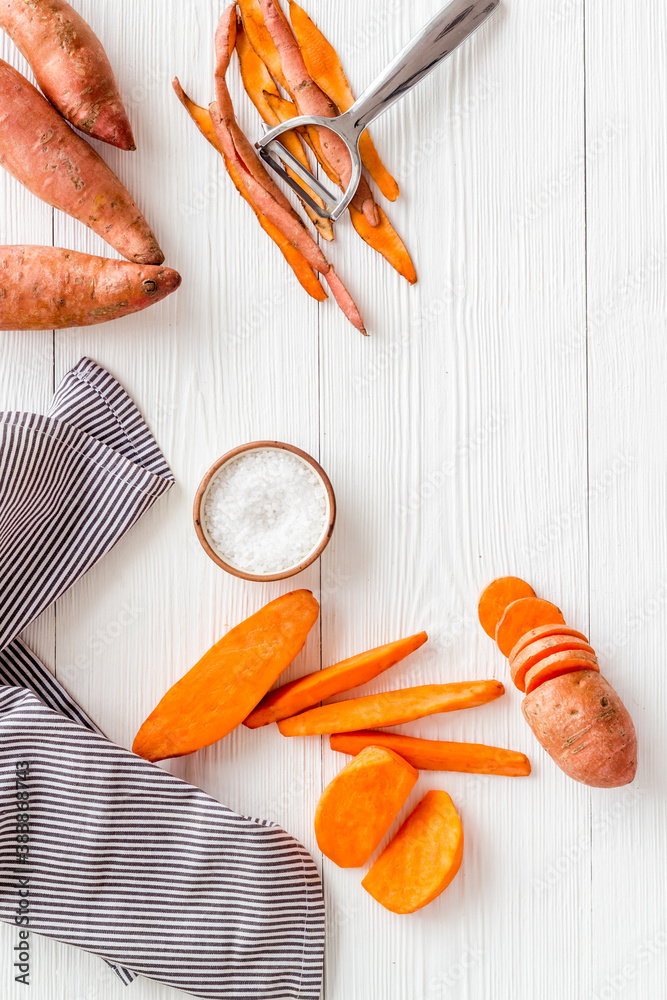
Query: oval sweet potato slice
x=522 y=616
x=421 y=860
x=496 y=597
x=357 y=808
x=542 y=633
x=584 y=726
x=564 y=662
x=539 y=650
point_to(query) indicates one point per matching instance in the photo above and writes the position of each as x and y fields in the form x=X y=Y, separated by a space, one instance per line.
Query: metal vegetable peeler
x=442 y=35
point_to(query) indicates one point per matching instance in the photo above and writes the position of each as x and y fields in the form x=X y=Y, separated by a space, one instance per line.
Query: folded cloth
x=122 y=858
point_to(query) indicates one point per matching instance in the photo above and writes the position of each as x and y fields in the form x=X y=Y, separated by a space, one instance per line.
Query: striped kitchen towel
x=98 y=847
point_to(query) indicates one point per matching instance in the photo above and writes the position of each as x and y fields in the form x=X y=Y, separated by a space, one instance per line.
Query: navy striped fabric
x=124 y=859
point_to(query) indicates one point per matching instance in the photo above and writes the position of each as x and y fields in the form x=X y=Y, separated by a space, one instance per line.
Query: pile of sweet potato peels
x=288 y=70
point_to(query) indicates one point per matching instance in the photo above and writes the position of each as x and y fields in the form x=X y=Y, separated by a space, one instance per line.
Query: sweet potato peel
x=259 y=85
x=325 y=68
x=303 y=271
x=311 y=100
x=262 y=190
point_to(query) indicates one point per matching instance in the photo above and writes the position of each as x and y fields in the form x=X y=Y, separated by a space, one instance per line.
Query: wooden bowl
x=292 y=570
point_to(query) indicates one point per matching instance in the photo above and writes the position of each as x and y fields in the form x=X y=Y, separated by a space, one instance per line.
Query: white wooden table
x=507 y=415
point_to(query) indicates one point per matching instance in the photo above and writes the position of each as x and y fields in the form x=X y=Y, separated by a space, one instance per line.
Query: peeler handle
x=437 y=39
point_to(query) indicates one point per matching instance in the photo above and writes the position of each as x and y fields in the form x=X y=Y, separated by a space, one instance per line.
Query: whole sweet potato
x=40 y=149
x=47 y=288
x=584 y=726
x=70 y=66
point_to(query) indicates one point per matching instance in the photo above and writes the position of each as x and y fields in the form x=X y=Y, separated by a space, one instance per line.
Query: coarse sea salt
x=265 y=511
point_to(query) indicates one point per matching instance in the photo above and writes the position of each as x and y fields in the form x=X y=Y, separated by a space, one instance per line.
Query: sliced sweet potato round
x=495 y=598
x=539 y=650
x=542 y=633
x=523 y=616
x=560 y=663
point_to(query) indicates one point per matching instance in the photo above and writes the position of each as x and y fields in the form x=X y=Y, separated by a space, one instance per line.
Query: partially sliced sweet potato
x=295 y=697
x=496 y=597
x=436 y=755
x=565 y=662
x=523 y=615
x=539 y=650
x=357 y=808
x=584 y=726
x=391 y=708
x=421 y=860
x=542 y=633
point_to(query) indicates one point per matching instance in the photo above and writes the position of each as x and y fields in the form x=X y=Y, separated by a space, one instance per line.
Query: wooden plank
x=456 y=439
x=627 y=263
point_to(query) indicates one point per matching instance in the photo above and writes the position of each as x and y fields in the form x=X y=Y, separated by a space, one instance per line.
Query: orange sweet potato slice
x=357 y=808
x=226 y=684
x=391 y=708
x=542 y=633
x=523 y=615
x=436 y=755
x=496 y=597
x=557 y=664
x=539 y=650
x=305 y=692
x=421 y=860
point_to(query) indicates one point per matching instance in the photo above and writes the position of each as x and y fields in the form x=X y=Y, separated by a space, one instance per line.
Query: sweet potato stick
x=437 y=755
x=310 y=100
x=258 y=83
x=350 y=673
x=324 y=66
x=300 y=266
x=391 y=708
x=386 y=241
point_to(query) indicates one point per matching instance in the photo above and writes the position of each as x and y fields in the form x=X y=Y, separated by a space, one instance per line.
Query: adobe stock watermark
x=583 y=845
x=385 y=358
x=102 y=639
x=434 y=481
x=617 y=983
x=463 y=111
x=563 y=522
x=639 y=618
x=623 y=287
x=22 y=871
x=552 y=190
x=445 y=981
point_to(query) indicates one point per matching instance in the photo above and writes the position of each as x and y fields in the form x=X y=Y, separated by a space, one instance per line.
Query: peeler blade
x=273 y=153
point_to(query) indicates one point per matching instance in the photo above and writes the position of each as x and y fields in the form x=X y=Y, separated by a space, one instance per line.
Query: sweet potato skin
x=70 y=66
x=48 y=288
x=42 y=152
x=584 y=726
